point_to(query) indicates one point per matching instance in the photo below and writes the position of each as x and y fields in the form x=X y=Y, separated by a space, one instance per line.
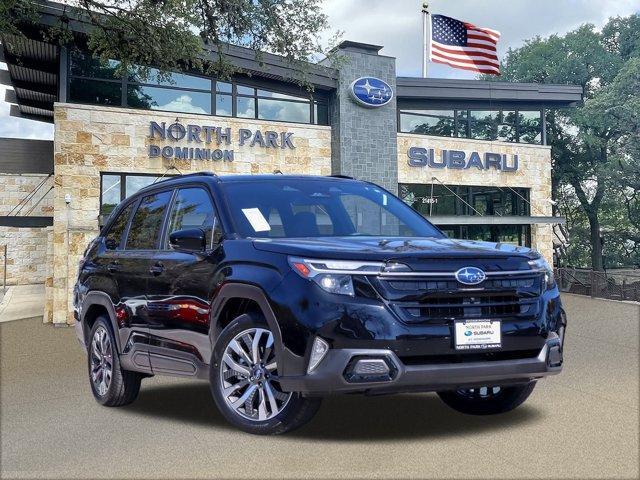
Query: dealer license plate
x=478 y=334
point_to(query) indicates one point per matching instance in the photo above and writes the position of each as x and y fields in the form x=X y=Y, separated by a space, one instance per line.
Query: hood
x=418 y=253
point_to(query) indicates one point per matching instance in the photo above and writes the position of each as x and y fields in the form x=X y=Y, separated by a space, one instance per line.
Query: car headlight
x=541 y=264
x=333 y=276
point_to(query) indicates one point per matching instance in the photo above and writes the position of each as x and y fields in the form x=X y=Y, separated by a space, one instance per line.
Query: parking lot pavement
x=581 y=424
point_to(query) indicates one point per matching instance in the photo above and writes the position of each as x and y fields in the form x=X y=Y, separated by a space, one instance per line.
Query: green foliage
x=172 y=35
x=596 y=146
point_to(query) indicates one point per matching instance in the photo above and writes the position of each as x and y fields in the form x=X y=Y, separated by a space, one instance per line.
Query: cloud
x=397 y=25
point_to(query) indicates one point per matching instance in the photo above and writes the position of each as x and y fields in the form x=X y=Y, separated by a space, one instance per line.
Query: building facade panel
x=91 y=141
x=533 y=172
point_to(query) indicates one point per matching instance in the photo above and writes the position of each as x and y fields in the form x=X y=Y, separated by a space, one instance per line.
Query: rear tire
x=243 y=378
x=487 y=400
x=111 y=385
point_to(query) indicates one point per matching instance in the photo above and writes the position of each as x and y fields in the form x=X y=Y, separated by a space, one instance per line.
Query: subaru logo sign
x=371 y=92
x=470 y=276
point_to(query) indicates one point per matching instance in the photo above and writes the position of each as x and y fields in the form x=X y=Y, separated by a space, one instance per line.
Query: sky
x=397 y=25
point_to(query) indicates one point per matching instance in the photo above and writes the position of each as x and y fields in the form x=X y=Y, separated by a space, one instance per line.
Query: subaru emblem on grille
x=470 y=275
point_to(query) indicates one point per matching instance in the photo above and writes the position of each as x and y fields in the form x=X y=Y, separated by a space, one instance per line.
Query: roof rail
x=342 y=176
x=173 y=177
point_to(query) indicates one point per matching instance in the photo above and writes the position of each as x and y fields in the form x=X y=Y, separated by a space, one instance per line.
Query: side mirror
x=192 y=239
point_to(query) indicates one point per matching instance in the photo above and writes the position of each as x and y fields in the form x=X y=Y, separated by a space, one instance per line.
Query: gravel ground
x=581 y=424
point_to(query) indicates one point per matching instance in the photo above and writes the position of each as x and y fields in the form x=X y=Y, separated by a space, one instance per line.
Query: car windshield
x=298 y=207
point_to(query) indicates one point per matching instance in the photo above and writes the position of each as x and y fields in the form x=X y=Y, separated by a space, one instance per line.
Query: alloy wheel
x=249 y=376
x=101 y=361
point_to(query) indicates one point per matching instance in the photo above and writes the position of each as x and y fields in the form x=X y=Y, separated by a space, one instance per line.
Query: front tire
x=244 y=381
x=487 y=400
x=111 y=385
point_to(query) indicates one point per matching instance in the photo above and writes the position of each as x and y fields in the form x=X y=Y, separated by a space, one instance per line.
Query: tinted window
x=428 y=122
x=152 y=75
x=192 y=209
x=317 y=208
x=157 y=98
x=283 y=110
x=95 y=91
x=110 y=193
x=113 y=237
x=147 y=222
x=133 y=183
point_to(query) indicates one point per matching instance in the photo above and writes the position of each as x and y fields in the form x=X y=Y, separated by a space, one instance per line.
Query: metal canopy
x=494 y=220
x=469 y=93
x=33 y=74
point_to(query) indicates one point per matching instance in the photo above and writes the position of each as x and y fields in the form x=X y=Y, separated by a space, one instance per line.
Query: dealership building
x=472 y=156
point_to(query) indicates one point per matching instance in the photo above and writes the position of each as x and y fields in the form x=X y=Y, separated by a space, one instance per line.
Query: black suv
x=281 y=289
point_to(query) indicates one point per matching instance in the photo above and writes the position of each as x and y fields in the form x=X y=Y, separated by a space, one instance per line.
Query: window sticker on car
x=256 y=219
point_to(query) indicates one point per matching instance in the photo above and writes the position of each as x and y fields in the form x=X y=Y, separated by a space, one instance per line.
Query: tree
x=594 y=146
x=172 y=35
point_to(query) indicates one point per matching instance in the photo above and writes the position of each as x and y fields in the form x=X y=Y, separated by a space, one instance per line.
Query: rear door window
x=113 y=237
x=146 y=225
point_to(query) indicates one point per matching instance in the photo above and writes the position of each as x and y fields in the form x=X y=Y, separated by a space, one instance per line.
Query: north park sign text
x=200 y=135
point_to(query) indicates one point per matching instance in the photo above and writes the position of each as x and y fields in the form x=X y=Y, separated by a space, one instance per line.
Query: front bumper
x=329 y=377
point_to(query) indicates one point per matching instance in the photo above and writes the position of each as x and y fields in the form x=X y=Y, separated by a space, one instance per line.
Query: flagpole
x=426 y=37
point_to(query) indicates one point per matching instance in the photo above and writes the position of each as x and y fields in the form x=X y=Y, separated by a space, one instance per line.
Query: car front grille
x=435 y=300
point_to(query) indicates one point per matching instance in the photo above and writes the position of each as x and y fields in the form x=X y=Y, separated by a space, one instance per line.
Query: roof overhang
x=34 y=65
x=412 y=92
x=32 y=71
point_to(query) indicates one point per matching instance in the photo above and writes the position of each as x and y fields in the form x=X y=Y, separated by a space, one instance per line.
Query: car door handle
x=113 y=267
x=157 y=269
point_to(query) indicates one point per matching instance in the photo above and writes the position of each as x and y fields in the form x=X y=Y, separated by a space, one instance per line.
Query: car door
x=132 y=269
x=181 y=288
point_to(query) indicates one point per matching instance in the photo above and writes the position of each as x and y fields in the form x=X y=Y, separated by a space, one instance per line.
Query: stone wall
x=364 y=139
x=534 y=172
x=89 y=140
x=26 y=247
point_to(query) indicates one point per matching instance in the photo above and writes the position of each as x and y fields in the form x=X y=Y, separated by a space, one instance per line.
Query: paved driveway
x=581 y=424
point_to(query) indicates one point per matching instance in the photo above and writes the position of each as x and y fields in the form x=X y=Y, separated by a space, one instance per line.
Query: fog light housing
x=363 y=369
x=318 y=351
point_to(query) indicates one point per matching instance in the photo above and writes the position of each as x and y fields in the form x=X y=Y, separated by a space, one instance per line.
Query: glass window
x=316 y=208
x=83 y=64
x=484 y=125
x=223 y=105
x=223 y=87
x=133 y=183
x=462 y=119
x=283 y=111
x=147 y=222
x=506 y=121
x=110 y=193
x=267 y=93
x=321 y=113
x=529 y=127
x=242 y=90
x=245 y=107
x=152 y=75
x=428 y=122
x=192 y=209
x=458 y=199
x=95 y=92
x=113 y=238
x=157 y=98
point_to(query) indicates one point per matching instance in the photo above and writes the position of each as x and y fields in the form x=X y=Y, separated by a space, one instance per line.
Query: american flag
x=463 y=45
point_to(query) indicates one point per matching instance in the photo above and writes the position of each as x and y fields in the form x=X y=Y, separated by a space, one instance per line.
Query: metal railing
x=615 y=285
